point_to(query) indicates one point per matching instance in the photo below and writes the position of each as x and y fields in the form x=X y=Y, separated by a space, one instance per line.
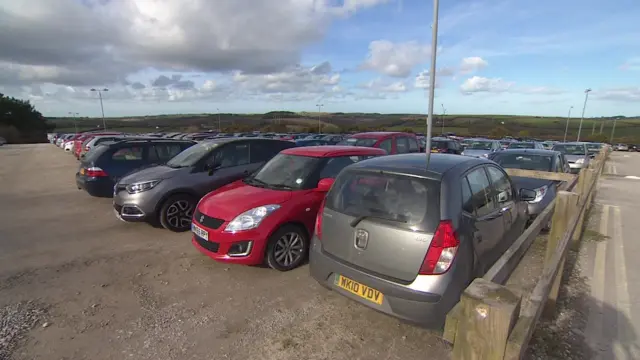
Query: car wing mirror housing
x=527 y=195
x=324 y=185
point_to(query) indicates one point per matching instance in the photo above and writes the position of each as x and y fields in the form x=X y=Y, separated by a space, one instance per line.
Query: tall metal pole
x=432 y=77
x=99 y=91
x=319 y=124
x=219 y=127
x=444 y=113
x=584 y=107
x=566 y=128
x=613 y=130
x=75 y=122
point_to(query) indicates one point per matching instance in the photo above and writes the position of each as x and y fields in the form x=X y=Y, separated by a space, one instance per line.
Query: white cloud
x=110 y=40
x=478 y=84
x=395 y=59
x=622 y=94
x=381 y=86
x=632 y=64
x=472 y=64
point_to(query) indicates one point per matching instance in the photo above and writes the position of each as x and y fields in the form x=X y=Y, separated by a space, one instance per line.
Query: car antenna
x=432 y=78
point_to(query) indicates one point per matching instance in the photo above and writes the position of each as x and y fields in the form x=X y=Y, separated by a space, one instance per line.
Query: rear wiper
x=357 y=220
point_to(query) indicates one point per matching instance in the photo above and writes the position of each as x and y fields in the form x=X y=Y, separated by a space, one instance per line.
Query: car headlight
x=540 y=193
x=250 y=219
x=580 y=161
x=142 y=186
x=485 y=155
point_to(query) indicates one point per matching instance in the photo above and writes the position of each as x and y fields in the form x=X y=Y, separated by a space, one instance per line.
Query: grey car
x=407 y=241
x=539 y=160
x=576 y=153
x=481 y=147
x=167 y=194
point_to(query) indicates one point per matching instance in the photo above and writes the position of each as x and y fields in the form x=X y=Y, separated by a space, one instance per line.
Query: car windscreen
x=192 y=155
x=479 y=145
x=368 y=142
x=438 y=144
x=286 y=172
x=570 y=149
x=402 y=201
x=523 y=161
x=594 y=147
x=521 y=145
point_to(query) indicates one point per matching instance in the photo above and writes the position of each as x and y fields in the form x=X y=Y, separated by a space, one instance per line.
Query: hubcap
x=179 y=214
x=288 y=249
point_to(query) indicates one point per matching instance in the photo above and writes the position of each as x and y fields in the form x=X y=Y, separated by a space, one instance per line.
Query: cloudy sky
x=247 y=56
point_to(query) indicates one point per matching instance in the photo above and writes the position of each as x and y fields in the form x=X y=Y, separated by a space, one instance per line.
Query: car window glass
x=163 y=152
x=334 y=165
x=133 y=153
x=481 y=192
x=467 y=198
x=386 y=145
x=402 y=145
x=501 y=185
x=233 y=155
x=261 y=151
x=413 y=145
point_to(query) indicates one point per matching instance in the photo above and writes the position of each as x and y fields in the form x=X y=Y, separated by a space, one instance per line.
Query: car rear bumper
x=99 y=187
x=420 y=308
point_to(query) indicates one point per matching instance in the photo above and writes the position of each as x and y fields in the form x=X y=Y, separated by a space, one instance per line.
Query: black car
x=445 y=146
x=539 y=160
x=102 y=167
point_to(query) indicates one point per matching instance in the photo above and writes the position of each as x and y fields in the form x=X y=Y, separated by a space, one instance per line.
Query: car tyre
x=287 y=248
x=176 y=212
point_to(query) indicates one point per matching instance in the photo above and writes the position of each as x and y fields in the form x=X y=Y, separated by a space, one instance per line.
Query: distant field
x=627 y=129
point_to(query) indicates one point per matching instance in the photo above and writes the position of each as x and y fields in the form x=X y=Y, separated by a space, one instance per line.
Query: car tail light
x=95 y=172
x=442 y=250
x=318 y=228
x=87 y=147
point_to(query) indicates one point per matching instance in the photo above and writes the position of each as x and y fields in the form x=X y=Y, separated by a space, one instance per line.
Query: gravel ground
x=15 y=321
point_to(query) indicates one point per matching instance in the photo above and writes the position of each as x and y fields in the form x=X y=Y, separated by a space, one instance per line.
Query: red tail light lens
x=95 y=172
x=442 y=250
x=318 y=228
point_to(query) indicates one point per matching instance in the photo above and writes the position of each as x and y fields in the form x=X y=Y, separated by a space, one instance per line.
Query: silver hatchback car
x=167 y=194
x=407 y=241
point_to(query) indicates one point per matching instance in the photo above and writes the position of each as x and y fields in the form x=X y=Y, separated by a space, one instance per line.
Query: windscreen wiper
x=280 y=186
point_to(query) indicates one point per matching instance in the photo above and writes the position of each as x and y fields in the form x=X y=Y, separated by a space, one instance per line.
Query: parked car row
x=375 y=224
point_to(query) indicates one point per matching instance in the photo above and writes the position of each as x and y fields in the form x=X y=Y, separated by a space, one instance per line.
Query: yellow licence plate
x=434 y=151
x=358 y=289
x=82 y=171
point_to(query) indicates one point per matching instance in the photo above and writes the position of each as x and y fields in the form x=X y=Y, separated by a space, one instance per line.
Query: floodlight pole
x=432 y=77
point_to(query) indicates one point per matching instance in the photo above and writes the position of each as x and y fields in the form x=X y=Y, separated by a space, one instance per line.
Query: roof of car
x=378 y=134
x=333 y=151
x=570 y=143
x=528 y=151
x=442 y=139
x=415 y=164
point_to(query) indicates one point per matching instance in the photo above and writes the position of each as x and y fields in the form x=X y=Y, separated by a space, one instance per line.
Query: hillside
x=627 y=129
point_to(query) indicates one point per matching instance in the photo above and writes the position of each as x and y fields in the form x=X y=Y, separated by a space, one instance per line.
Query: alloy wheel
x=288 y=249
x=179 y=214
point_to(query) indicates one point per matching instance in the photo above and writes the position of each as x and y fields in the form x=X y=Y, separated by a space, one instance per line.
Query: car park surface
x=112 y=291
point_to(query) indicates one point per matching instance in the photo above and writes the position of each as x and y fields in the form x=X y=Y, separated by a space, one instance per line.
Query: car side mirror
x=324 y=185
x=527 y=195
x=211 y=167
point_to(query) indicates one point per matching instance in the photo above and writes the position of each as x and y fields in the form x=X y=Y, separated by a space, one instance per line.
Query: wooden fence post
x=566 y=203
x=488 y=313
x=581 y=189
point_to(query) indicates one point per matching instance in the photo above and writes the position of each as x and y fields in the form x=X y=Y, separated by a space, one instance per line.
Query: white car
x=68 y=146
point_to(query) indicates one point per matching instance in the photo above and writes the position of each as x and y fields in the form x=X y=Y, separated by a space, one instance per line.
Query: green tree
x=20 y=122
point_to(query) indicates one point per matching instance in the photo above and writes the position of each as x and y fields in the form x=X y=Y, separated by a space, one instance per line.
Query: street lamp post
x=613 y=130
x=74 y=116
x=219 y=126
x=444 y=114
x=566 y=128
x=99 y=91
x=584 y=107
x=319 y=124
x=432 y=77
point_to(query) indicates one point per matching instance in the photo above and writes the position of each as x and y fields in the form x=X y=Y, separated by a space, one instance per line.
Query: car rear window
x=367 y=142
x=402 y=201
x=521 y=145
x=435 y=144
x=523 y=161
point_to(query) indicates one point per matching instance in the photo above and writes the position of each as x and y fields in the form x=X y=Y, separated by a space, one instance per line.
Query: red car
x=77 y=145
x=269 y=217
x=391 y=142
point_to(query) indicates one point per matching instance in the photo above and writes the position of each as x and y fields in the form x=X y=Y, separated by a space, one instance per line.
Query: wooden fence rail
x=494 y=322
